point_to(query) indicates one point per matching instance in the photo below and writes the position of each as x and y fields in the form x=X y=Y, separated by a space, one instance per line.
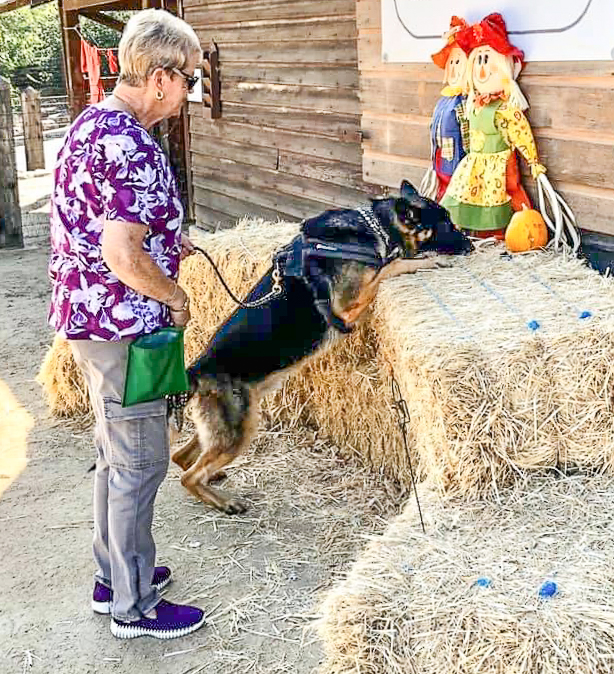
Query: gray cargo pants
x=133 y=453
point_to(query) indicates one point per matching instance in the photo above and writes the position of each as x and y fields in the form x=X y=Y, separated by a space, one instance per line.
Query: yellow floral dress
x=477 y=196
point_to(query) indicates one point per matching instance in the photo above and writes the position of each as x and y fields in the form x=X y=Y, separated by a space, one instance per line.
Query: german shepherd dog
x=330 y=274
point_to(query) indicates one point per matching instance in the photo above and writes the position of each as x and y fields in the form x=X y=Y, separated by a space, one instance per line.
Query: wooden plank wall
x=571 y=113
x=288 y=143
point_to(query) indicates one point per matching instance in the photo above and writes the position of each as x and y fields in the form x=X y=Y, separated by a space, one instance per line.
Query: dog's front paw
x=234 y=507
x=438 y=262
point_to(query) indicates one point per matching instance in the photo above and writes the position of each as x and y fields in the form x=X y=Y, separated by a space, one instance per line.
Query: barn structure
x=310 y=117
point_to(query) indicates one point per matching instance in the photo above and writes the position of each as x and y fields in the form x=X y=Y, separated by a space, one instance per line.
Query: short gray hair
x=154 y=38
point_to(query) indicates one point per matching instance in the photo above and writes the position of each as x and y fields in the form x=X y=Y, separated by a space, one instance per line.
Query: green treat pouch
x=156 y=367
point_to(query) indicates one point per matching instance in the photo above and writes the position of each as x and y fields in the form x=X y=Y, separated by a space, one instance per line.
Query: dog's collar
x=386 y=250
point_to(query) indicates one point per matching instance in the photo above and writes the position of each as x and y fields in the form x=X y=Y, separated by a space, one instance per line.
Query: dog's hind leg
x=225 y=425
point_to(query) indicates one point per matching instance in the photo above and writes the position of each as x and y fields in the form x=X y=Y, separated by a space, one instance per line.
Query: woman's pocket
x=138 y=435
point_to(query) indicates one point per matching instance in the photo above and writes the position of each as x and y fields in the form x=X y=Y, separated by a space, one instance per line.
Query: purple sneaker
x=102 y=597
x=172 y=621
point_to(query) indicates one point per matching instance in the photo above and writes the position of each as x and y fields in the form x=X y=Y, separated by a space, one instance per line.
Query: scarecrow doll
x=449 y=126
x=485 y=189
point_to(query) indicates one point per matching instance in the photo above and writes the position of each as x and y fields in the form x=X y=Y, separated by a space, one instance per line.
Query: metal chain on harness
x=371 y=220
x=399 y=404
x=176 y=405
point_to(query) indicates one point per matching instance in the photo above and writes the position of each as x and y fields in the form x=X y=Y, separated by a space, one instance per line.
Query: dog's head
x=422 y=224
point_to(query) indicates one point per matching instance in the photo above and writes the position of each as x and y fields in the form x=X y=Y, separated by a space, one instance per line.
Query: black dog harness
x=309 y=255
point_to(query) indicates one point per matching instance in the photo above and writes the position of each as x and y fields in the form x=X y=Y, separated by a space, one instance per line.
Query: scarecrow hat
x=441 y=57
x=491 y=31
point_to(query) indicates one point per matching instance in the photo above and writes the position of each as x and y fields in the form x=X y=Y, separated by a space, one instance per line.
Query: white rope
x=428 y=185
x=563 y=222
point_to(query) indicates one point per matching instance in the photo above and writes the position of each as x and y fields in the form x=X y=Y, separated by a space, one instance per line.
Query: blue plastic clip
x=548 y=589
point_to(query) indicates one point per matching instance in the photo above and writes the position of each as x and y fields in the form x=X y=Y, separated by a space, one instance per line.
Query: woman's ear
x=158 y=77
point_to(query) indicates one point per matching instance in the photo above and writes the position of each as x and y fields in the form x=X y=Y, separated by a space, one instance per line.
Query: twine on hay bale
x=517 y=587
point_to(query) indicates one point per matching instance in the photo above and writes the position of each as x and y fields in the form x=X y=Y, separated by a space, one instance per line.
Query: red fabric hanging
x=90 y=64
x=112 y=60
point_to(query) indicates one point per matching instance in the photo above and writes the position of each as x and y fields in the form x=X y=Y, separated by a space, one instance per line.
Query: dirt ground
x=259 y=576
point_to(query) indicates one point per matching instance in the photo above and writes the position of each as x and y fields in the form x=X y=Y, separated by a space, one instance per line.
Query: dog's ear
x=406 y=212
x=408 y=191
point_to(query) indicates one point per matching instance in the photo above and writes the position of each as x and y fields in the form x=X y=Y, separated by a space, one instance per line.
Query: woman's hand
x=179 y=306
x=187 y=247
x=180 y=318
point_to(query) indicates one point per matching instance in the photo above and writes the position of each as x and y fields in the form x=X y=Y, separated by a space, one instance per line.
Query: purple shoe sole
x=172 y=621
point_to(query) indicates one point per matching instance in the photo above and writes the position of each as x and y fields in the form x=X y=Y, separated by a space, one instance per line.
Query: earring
x=159 y=95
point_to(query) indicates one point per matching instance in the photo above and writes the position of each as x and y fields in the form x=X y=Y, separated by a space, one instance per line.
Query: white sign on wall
x=196 y=95
x=546 y=30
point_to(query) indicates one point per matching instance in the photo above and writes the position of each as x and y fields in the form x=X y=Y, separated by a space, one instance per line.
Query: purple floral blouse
x=109 y=168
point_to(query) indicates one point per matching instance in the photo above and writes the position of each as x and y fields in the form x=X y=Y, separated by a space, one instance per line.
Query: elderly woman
x=116 y=245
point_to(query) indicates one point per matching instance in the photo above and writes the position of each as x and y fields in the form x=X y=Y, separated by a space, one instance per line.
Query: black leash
x=399 y=404
x=177 y=401
x=275 y=290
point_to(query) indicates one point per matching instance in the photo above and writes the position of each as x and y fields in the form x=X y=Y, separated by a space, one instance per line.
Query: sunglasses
x=190 y=80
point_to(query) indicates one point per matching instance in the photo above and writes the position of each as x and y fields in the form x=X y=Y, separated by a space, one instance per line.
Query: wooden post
x=75 y=83
x=10 y=213
x=32 y=129
x=211 y=82
x=178 y=134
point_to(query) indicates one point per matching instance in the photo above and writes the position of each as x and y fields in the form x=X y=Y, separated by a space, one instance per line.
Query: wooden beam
x=106 y=5
x=103 y=19
x=12 y=4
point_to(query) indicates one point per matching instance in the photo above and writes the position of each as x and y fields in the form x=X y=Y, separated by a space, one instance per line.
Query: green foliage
x=31 y=45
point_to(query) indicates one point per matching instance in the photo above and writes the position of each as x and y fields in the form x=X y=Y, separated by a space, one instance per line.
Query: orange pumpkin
x=526 y=231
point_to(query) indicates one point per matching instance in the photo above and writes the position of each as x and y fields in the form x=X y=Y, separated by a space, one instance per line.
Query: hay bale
x=347 y=397
x=318 y=394
x=506 y=364
x=465 y=597
x=62 y=381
